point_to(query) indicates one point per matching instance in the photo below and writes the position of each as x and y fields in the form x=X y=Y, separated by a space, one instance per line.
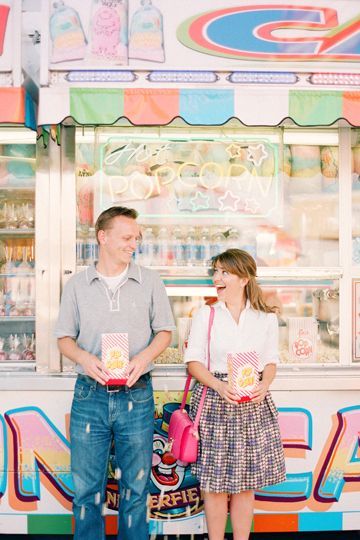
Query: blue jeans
x=97 y=419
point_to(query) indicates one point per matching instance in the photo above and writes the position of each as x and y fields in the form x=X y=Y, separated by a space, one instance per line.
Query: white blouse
x=256 y=331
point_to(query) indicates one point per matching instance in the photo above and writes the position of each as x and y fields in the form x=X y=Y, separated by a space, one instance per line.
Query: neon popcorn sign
x=279 y=32
x=178 y=178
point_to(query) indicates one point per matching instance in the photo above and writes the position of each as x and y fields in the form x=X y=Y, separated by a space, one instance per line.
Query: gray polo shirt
x=138 y=306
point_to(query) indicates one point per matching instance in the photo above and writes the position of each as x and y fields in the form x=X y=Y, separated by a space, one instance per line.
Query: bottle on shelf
x=248 y=242
x=91 y=249
x=218 y=244
x=190 y=247
x=177 y=247
x=204 y=248
x=163 y=247
x=233 y=239
x=147 y=252
x=80 y=248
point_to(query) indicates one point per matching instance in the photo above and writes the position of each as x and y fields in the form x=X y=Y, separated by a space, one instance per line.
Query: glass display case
x=274 y=193
x=17 y=249
x=355 y=166
x=200 y=193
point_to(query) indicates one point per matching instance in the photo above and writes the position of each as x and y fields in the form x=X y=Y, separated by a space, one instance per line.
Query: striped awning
x=148 y=106
x=17 y=107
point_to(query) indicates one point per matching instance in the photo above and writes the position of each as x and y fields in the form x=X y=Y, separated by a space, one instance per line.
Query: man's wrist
x=82 y=357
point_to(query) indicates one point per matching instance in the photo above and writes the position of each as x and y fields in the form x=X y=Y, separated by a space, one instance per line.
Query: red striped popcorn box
x=115 y=355
x=303 y=334
x=243 y=369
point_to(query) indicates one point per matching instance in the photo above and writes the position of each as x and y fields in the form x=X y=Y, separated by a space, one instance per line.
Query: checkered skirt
x=240 y=445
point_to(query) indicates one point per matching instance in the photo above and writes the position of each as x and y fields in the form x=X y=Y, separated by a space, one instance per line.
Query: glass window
x=308 y=313
x=200 y=193
x=17 y=251
x=355 y=163
x=356 y=321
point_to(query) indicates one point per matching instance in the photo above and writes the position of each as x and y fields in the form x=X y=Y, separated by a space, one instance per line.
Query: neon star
x=200 y=202
x=257 y=154
x=233 y=150
x=251 y=205
x=184 y=204
x=228 y=202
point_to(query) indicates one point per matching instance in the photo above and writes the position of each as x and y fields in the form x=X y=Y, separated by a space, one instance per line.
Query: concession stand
x=219 y=139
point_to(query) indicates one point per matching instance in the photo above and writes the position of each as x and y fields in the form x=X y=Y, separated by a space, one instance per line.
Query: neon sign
x=279 y=32
x=180 y=178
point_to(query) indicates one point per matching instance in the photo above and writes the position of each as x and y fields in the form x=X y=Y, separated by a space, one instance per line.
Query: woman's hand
x=224 y=390
x=259 y=393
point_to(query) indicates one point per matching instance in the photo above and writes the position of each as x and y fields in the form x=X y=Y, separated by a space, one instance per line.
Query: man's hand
x=137 y=366
x=94 y=368
x=224 y=390
x=259 y=393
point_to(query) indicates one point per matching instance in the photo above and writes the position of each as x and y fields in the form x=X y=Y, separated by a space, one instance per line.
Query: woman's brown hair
x=242 y=264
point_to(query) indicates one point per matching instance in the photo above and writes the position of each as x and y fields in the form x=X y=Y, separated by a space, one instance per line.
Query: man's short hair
x=104 y=220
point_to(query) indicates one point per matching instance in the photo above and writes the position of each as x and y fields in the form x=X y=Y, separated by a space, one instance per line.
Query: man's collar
x=134 y=272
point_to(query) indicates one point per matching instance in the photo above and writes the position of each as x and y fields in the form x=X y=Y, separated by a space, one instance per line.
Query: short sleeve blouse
x=255 y=331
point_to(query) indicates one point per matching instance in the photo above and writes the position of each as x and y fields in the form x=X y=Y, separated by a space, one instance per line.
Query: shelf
x=17 y=232
x=26 y=189
x=199 y=275
x=17 y=274
x=17 y=319
x=21 y=365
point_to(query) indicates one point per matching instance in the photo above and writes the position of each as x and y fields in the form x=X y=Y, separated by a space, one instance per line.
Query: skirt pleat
x=240 y=445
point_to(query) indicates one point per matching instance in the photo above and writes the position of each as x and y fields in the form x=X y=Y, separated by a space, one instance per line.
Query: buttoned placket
x=113 y=296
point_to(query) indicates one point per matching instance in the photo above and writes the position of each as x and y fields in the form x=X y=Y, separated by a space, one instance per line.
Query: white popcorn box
x=303 y=332
x=243 y=369
x=115 y=355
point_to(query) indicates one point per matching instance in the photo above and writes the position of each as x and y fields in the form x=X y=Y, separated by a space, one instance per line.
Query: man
x=114 y=295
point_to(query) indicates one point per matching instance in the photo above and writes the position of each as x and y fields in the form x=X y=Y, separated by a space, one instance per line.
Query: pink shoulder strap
x=189 y=377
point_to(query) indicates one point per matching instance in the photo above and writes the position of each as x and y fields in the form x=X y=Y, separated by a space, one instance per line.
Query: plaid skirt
x=240 y=445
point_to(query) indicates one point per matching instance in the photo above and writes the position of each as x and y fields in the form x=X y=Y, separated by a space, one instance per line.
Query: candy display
x=67 y=34
x=109 y=31
x=146 y=40
x=330 y=168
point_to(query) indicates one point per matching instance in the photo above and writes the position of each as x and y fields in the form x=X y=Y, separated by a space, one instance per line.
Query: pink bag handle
x=189 y=377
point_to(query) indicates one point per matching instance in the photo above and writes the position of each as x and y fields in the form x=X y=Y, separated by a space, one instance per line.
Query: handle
x=189 y=377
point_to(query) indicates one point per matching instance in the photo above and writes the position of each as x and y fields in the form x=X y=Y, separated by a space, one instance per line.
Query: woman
x=240 y=444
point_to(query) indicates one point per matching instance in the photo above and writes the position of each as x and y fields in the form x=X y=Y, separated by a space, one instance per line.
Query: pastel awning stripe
x=54 y=105
x=206 y=107
x=255 y=106
x=351 y=107
x=96 y=105
x=151 y=106
x=315 y=108
x=259 y=108
x=16 y=107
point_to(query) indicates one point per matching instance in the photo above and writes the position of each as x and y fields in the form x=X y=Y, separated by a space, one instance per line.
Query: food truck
x=219 y=139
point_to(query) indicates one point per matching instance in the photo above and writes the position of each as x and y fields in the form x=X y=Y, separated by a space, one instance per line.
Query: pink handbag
x=183 y=435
